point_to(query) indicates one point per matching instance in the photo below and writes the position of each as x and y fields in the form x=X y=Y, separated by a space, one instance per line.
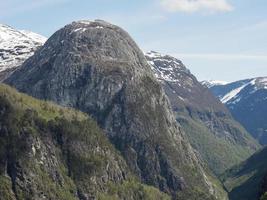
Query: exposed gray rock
x=48 y=152
x=97 y=68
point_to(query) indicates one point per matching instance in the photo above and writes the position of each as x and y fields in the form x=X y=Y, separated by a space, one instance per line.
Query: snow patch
x=34 y=36
x=211 y=83
x=16 y=46
x=181 y=98
x=81 y=30
x=87 y=22
x=166 y=68
x=263 y=81
x=232 y=94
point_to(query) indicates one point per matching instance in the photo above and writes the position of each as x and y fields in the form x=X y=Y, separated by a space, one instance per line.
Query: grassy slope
x=73 y=136
x=219 y=152
x=244 y=180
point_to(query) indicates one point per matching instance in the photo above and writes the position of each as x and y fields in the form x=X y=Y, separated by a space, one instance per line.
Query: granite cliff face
x=211 y=129
x=49 y=152
x=97 y=68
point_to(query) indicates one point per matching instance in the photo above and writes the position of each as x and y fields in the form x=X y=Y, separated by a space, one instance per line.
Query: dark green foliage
x=12 y=137
x=219 y=151
x=264 y=196
x=195 y=195
x=247 y=181
x=6 y=192
x=50 y=152
x=132 y=190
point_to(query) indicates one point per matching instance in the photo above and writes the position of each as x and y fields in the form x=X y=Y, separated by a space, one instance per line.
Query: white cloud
x=197 y=5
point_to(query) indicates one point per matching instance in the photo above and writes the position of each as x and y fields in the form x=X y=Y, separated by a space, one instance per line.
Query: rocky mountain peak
x=205 y=118
x=166 y=67
x=211 y=83
x=102 y=41
x=97 y=68
x=181 y=86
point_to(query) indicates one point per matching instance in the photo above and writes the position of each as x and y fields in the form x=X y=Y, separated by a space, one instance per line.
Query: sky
x=215 y=39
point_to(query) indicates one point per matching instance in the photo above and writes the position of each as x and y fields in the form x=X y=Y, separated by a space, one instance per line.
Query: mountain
x=15 y=47
x=247 y=100
x=211 y=130
x=97 y=68
x=248 y=180
x=211 y=83
x=51 y=152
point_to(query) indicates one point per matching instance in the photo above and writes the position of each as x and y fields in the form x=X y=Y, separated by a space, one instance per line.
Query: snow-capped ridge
x=246 y=100
x=254 y=85
x=211 y=83
x=34 y=36
x=165 y=67
x=262 y=82
x=232 y=95
x=16 y=46
x=90 y=22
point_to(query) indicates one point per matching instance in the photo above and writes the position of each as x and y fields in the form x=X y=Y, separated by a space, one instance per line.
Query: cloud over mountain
x=197 y=5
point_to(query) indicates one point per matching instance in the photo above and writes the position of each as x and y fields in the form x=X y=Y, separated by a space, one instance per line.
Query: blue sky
x=216 y=39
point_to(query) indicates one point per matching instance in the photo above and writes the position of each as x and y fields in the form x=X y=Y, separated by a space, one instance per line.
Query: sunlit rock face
x=96 y=67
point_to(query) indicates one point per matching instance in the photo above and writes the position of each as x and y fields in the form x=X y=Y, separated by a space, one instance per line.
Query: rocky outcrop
x=97 y=68
x=49 y=152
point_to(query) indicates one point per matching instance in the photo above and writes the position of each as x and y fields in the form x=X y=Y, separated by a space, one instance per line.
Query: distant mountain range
x=212 y=83
x=15 y=47
x=247 y=101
